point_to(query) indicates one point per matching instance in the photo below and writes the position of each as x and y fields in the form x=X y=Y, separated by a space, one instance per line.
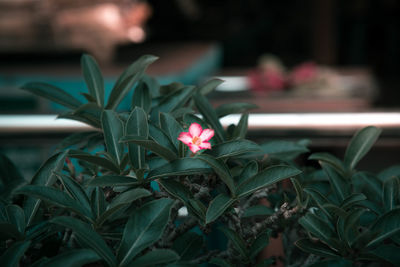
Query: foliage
x=117 y=195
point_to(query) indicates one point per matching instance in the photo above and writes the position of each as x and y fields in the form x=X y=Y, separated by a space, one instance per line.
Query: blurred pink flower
x=304 y=73
x=196 y=138
x=265 y=80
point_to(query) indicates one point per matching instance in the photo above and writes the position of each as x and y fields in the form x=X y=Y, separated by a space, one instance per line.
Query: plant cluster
x=154 y=185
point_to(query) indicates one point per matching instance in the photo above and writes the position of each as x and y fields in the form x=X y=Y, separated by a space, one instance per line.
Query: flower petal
x=185 y=137
x=207 y=134
x=194 y=148
x=205 y=145
x=195 y=129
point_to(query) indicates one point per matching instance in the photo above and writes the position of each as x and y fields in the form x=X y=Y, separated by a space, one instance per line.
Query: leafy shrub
x=117 y=195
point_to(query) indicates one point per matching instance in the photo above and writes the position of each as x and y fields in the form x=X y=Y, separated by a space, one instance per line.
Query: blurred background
x=284 y=56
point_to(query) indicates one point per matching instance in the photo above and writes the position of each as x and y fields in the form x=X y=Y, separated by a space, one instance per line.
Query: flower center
x=196 y=140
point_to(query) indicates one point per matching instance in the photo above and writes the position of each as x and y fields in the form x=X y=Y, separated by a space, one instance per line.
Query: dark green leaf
x=218 y=206
x=333 y=263
x=98 y=202
x=174 y=100
x=257 y=210
x=233 y=108
x=389 y=173
x=209 y=86
x=93 y=78
x=301 y=198
x=112 y=180
x=359 y=145
x=209 y=115
x=237 y=242
x=317 y=226
x=390 y=193
x=9 y=230
x=330 y=159
x=160 y=137
x=284 y=150
x=77 y=138
x=89 y=236
x=249 y=170
x=137 y=125
x=352 y=200
x=371 y=186
x=319 y=199
x=52 y=93
x=155 y=257
x=73 y=258
x=220 y=169
x=351 y=222
x=14 y=253
x=91 y=112
x=183 y=166
x=220 y=262
x=265 y=178
x=16 y=217
x=113 y=131
x=176 y=189
x=44 y=176
x=241 y=129
x=340 y=186
x=56 y=197
x=233 y=148
x=389 y=253
x=158 y=149
x=128 y=79
x=387 y=225
x=143 y=229
x=188 y=245
x=142 y=97
x=259 y=244
x=316 y=248
x=97 y=160
x=171 y=127
x=10 y=178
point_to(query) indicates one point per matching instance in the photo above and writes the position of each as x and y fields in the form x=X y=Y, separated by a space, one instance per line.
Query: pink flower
x=196 y=138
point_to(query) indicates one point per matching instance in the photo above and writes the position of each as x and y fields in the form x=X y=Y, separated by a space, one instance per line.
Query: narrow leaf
x=112 y=180
x=171 y=127
x=387 y=225
x=188 y=245
x=237 y=242
x=142 y=97
x=218 y=206
x=233 y=108
x=316 y=248
x=390 y=193
x=52 y=93
x=155 y=257
x=330 y=159
x=241 y=129
x=73 y=258
x=89 y=236
x=137 y=125
x=113 y=131
x=257 y=210
x=340 y=186
x=93 y=78
x=184 y=166
x=233 y=148
x=209 y=86
x=96 y=160
x=14 y=253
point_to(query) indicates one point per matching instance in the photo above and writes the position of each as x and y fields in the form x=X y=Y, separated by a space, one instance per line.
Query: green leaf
x=161 y=138
x=137 y=125
x=359 y=145
x=209 y=115
x=257 y=210
x=220 y=262
x=75 y=190
x=218 y=206
x=44 y=176
x=241 y=129
x=171 y=127
x=233 y=148
x=16 y=217
x=183 y=166
x=52 y=93
x=158 y=149
x=330 y=159
x=259 y=244
x=390 y=193
x=128 y=79
x=73 y=258
x=265 y=178
x=142 y=97
x=302 y=200
x=285 y=150
x=209 y=86
x=386 y=225
x=176 y=189
x=318 y=227
x=220 y=169
x=188 y=245
x=89 y=236
x=174 y=100
x=122 y=200
x=112 y=180
x=93 y=78
x=96 y=160
x=319 y=199
x=350 y=225
x=237 y=242
x=10 y=178
x=91 y=112
x=56 y=197
x=232 y=108
x=143 y=229
x=389 y=253
x=9 y=230
x=249 y=170
x=333 y=263
x=316 y=248
x=155 y=257
x=14 y=253
x=98 y=202
x=352 y=200
x=340 y=186
x=113 y=131
x=77 y=138
x=371 y=186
